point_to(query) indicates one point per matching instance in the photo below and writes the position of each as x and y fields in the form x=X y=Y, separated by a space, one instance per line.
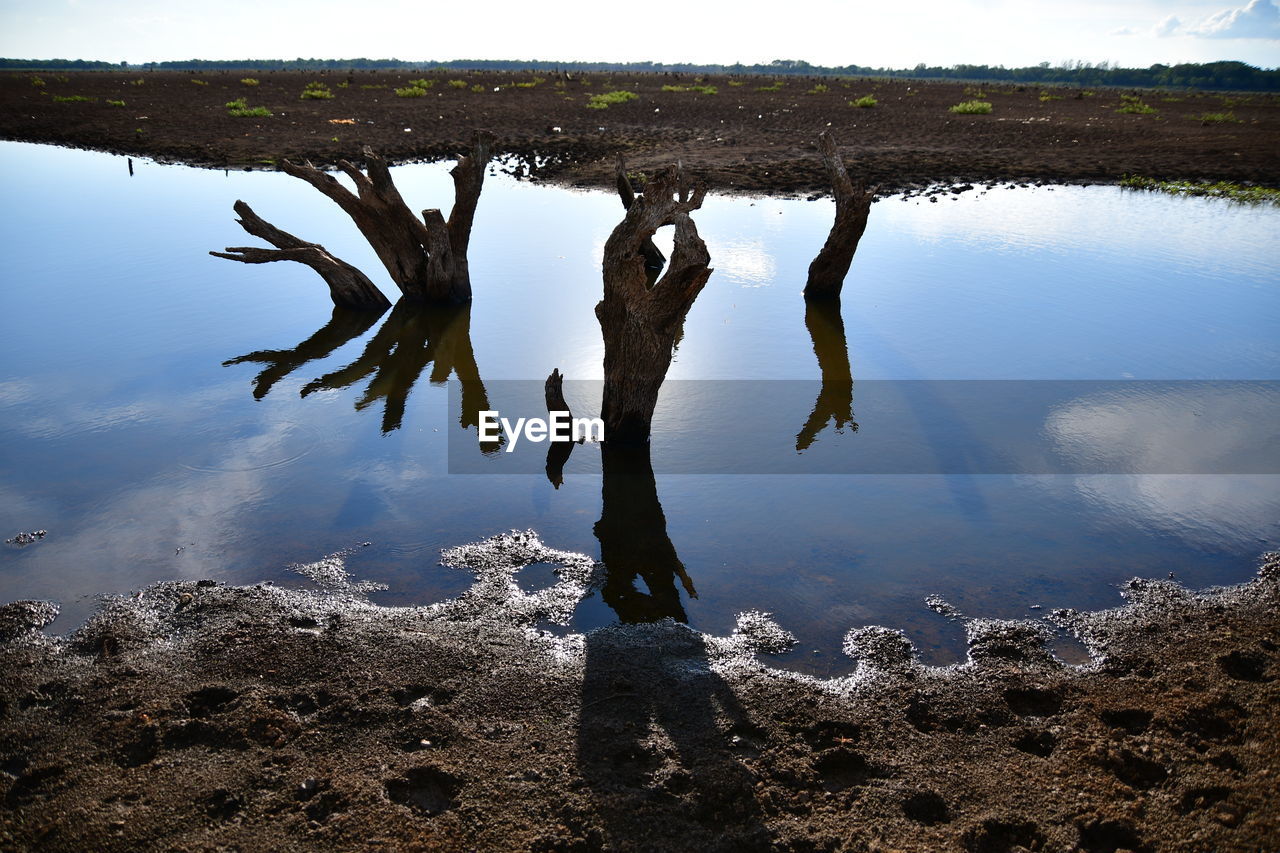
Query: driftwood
x=853 y=205
x=633 y=540
x=641 y=322
x=348 y=287
x=835 y=399
x=426 y=257
x=345 y=325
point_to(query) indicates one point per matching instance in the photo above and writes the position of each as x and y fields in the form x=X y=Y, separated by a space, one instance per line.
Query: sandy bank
x=197 y=716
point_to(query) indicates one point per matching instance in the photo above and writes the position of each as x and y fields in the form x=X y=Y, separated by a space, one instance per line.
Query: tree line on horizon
x=1225 y=74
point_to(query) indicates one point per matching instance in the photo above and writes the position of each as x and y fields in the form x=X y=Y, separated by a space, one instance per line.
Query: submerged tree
x=426 y=257
x=641 y=321
x=853 y=206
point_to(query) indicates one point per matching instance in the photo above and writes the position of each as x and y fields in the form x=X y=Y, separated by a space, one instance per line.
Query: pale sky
x=824 y=32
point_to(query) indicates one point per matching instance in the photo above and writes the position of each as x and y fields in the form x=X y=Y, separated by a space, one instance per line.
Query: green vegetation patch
x=775 y=86
x=819 y=89
x=701 y=90
x=415 y=89
x=610 y=99
x=1133 y=105
x=112 y=103
x=197 y=82
x=972 y=108
x=1219 y=189
x=865 y=102
x=248 y=81
x=240 y=109
x=71 y=99
x=316 y=91
x=1218 y=118
x=458 y=84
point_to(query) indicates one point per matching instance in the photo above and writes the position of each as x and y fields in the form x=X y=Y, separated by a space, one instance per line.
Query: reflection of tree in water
x=835 y=400
x=657 y=722
x=412 y=337
x=345 y=325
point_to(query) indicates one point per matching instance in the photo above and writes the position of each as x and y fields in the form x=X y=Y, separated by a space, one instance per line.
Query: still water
x=165 y=414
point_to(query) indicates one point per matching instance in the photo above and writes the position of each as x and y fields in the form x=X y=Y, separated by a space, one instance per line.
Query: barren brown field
x=753 y=134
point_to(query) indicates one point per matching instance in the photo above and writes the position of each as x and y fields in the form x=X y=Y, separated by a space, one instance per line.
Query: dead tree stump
x=853 y=205
x=348 y=287
x=654 y=260
x=427 y=257
x=641 y=322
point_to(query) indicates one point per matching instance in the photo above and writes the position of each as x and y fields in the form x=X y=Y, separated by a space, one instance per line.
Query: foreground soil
x=194 y=716
x=740 y=138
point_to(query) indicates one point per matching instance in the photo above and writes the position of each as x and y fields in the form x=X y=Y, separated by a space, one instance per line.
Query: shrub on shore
x=1211 y=189
x=972 y=108
x=248 y=81
x=415 y=89
x=865 y=102
x=1133 y=105
x=610 y=99
x=316 y=91
x=1218 y=118
x=240 y=109
x=701 y=90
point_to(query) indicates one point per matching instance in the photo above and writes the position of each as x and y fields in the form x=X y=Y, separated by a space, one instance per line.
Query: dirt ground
x=195 y=716
x=740 y=138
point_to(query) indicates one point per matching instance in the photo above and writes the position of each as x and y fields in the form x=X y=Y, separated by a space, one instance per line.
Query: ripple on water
x=277 y=445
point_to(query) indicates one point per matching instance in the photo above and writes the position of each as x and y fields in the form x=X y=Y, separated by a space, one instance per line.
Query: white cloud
x=1259 y=20
x=1123 y=31
x=1168 y=26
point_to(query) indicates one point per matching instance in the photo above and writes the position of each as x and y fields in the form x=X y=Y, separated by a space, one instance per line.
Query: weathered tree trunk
x=633 y=540
x=654 y=260
x=641 y=323
x=427 y=257
x=853 y=205
x=558 y=452
x=835 y=399
x=345 y=325
x=348 y=287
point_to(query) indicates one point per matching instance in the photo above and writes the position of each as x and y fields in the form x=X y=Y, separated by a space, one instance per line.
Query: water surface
x=146 y=458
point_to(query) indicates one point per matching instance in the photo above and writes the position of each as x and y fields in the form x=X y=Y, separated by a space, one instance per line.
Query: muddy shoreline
x=197 y=716
x=746 y=137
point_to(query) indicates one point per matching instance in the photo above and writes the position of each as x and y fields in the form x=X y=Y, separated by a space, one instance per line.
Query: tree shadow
x=835 y=399
x=658 y=726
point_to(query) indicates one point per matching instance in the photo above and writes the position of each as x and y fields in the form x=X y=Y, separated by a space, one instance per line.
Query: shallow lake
x=126 y=434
